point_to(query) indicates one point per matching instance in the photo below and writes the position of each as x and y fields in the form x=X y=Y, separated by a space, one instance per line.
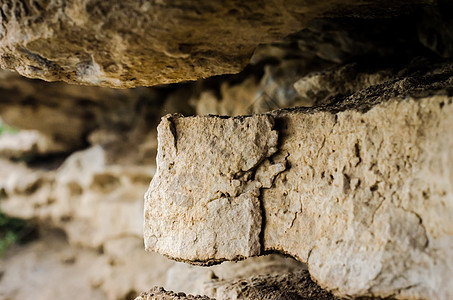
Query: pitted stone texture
x=92 y=200
x=365 y=198
x=295 y=285
x=141 y=43
x=159 y=293
x=200 y=280
x=185 y=190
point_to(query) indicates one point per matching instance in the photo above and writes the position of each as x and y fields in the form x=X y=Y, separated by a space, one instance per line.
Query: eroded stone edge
x=266 y=170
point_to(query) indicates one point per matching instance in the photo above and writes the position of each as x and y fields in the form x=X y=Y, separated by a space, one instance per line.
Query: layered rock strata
x=359 y=190
x=145 y=43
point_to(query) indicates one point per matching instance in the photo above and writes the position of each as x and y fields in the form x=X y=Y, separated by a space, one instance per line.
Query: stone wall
x=331 y=146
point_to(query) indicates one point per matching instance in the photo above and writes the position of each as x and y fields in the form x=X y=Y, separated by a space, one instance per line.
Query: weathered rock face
x=200 y=280
x=74 y=196
x=218 y=206
x=95 y=194
x=134 y=43
x=159 y=293
x=68 y=114
x=359 y=190
x=365 y=204
x=296 y=285
x=78 y=169
x=51 y=268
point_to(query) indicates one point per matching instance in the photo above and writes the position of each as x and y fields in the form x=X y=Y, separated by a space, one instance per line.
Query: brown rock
x=132 y=43
x=296 y=285
x=158 y=293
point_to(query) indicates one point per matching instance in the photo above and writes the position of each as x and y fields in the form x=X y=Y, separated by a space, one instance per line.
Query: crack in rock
x=203 y=205
x=227 y=193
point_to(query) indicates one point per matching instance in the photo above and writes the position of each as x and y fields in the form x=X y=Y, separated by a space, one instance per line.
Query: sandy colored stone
x=231 y=201
x=50 y=268
x=68 y=114
x=92 y=200
x=27 y=142
x=132 y=43
x=364 y=198
x=87 y=162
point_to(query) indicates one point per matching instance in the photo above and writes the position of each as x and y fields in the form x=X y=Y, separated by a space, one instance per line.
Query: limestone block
x=361 y=191
x=129 y=43
x=186 y=191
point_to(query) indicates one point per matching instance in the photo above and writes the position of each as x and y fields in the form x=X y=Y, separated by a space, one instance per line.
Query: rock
x=266 y=277
x=198 y=280
x=297 y=285
x=158 y=293
x=359 y=190
x=384 y=39
x=131 y=43
x=89 y=159
x=49 y=108
x=26 y=143
x=42 y=269
x=435 y=28
x=92 y=200
x=212 y=209
x=324 y=87
x=94 y=194
x=130 y=269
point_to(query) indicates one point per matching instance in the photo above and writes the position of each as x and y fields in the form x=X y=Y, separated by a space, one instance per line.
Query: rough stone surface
x=158 y=293
x=297 y=285
x=95 y=195
x=26 y=143
x=197 y=280
x=68 y=114
x=91 y=200
x=265 y=277
x=229 y=202
x=360 y=189
x=50 y=268
x=145 y=43
x=88 y=161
